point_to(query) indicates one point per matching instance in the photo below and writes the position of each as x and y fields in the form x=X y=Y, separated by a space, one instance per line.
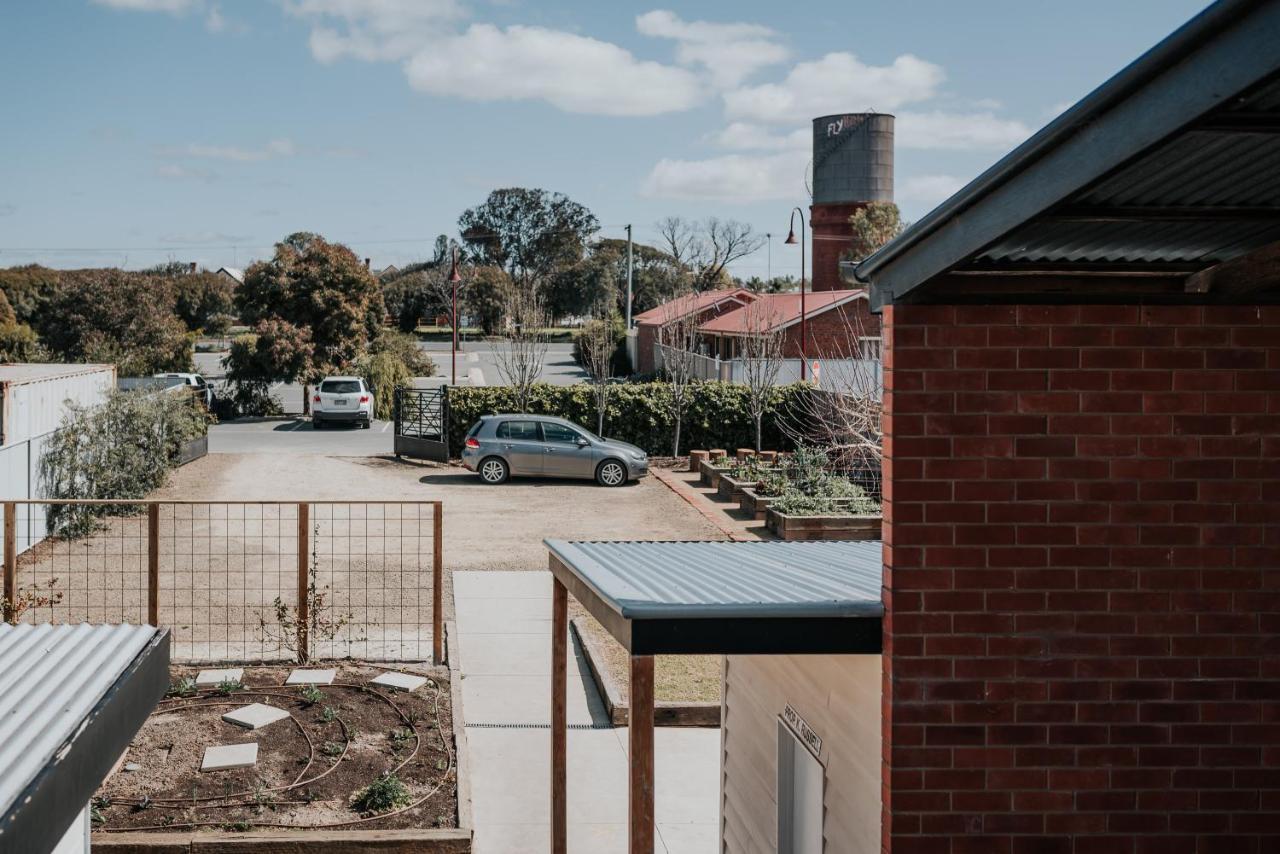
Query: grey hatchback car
x=500 y=446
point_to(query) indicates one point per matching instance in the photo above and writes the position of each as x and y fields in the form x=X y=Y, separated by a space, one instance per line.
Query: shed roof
x=683 y=306
x=729 y=597
x=21 y=372
x=72 y=697
x=778 y=310
x=1168 y=169
x=234 y=272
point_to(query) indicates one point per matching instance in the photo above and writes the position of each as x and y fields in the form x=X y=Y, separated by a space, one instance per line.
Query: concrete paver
x=506 y=702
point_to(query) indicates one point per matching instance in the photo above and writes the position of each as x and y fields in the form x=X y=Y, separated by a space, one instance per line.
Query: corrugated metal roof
x=1170 y=167
x=778 y=310
x=51 y=678
x=691 y=303
x=656 y=580
x=30 y=373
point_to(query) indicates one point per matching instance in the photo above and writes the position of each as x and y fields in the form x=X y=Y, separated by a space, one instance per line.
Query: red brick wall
x=646 y=337
x=831 y=237
x=1082 y=580
x=829 y=332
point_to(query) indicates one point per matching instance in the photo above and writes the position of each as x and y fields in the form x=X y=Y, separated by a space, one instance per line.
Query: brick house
x=1081 y=640
x=707 y=305
x=838 y=324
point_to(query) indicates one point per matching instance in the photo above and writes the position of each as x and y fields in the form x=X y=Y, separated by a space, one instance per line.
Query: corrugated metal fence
x=239 y=581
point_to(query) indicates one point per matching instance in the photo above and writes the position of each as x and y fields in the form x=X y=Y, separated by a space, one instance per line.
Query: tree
x=597 y=342
x=678 y=342
x=704 y=250
x=486 y=293
x=205 y=301
x=529 y=233
x=29 y=289
x=761 y=358
x=18 y=343
x=110 y=316
x=318 y=287
x=521 y=352
x=873 y=226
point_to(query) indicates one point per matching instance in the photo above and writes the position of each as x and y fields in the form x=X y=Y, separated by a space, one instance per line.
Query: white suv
x=342 y=399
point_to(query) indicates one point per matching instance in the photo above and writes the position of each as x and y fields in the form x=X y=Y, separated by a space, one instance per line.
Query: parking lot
x=298 y=436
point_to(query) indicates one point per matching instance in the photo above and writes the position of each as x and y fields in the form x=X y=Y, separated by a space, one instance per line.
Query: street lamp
x=804 y=338
x=455 y=278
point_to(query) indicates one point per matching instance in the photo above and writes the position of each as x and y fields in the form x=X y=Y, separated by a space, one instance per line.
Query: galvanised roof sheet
x=728 y=580
x=51 y=679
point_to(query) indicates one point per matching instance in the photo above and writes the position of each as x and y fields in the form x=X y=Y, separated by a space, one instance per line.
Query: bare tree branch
x=762 y=353
x=678 y=342
x=597 y=342
x=521 y=352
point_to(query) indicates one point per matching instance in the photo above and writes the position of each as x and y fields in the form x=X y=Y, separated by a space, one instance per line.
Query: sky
x=140 y=131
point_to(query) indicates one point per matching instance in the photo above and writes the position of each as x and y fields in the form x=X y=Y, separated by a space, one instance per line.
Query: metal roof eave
x=39 y=816
x=644 y=627
x=1224 y=50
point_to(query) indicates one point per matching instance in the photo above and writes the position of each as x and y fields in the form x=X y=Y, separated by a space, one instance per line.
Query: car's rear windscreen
x=340 y=387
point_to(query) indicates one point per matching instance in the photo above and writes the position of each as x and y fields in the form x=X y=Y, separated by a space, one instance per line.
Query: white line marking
x=386 y=426
x=295 y=426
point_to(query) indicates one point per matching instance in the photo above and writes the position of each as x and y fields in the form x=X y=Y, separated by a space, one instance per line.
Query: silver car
x=499 y=446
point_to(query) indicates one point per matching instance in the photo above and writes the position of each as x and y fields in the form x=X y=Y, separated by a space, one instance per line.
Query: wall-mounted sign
x=803 y=731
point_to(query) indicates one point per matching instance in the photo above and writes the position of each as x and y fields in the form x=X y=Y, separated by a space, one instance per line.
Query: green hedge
x=638 y=413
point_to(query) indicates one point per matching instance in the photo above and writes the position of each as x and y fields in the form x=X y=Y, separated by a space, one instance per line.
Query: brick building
x=838 y=324
x=1081 y=639
x=707 y=305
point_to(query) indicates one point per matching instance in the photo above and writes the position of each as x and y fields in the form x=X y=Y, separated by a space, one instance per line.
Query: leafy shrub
x=796 y=503
x=775 y=483
x=18 y=343
x=406 y=349
x=122 y=448
x=383 y=794
x=246 y=399
x=385 y=372
x=639 y=413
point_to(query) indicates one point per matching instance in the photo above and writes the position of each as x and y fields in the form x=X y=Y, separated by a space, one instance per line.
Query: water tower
x=852 y=165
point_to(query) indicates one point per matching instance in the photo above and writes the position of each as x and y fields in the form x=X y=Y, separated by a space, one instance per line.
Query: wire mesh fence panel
x=371 y=576
x=96 y=572
x=234 y=581
x=228 y=580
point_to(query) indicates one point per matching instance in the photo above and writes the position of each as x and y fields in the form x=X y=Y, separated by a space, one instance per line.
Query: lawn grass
x=677 y=678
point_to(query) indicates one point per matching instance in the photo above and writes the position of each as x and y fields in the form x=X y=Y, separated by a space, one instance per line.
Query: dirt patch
x=310 y=766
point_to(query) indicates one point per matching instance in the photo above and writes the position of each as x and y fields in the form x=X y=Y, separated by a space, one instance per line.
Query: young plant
x=328 y=715
x=331 y=748
x=184 y=687
x=382 y=795
x=227 y=687
x=310 y=695
x=322 y=623
x=36 y=596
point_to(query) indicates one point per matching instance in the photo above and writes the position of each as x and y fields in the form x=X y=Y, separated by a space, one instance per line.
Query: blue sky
x=136 y=131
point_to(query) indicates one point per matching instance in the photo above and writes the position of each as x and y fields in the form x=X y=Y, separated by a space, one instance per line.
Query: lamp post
x=804 y=339
x=455 y=278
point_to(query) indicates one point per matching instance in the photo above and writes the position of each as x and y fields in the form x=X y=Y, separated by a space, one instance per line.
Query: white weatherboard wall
x=838 y=698
x=33 y=401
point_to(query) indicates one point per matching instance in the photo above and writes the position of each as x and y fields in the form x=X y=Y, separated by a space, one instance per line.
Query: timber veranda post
x=304 y=587
x=10 y=561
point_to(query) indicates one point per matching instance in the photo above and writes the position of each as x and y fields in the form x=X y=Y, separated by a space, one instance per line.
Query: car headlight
x=639 y=455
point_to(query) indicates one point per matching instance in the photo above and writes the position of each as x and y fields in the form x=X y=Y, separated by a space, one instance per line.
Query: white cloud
x=575 y=73
x=172 y=6
x=273 y=149
x=927 y=189
x=838 y=82
x=745 y=136
x=958 y=131
x=373 y=30
x=730 y=178
x=729 y=52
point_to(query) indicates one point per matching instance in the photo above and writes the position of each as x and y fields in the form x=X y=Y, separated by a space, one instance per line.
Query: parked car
x=199 y=386
x=345 y=399
x=500 y=446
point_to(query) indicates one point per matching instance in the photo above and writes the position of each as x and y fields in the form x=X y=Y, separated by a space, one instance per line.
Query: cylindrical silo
x=852 y=165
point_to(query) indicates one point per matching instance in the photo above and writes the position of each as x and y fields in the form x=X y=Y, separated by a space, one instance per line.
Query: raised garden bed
x=787 y=527
x=309 y=789
x=730 y=488
x=753 y=503
x=711 y=473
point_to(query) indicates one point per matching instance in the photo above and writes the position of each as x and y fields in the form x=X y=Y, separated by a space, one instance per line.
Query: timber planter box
x=730 y=489
x=711 y=475
x=753 y=503
x=822 y=527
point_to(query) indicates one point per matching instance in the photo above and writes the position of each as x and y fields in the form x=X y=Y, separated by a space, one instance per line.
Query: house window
x=801 y=780
x=870 y=348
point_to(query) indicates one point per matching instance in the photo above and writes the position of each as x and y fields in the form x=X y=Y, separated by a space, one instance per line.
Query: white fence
x=845 y=375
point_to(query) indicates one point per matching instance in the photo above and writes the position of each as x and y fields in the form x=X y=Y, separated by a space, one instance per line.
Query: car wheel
x=611 y=473
x=493 y=471
x=317 y=424
x=365 y=425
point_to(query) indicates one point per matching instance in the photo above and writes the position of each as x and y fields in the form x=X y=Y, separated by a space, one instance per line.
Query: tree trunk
x=759 y=417
x=675 y=442
x=600 y=419
x=306 y=399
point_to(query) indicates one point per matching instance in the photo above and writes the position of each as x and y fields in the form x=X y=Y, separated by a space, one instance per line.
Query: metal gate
x=422 y=424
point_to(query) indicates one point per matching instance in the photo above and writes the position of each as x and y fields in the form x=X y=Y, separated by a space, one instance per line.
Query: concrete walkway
x=504 y=640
